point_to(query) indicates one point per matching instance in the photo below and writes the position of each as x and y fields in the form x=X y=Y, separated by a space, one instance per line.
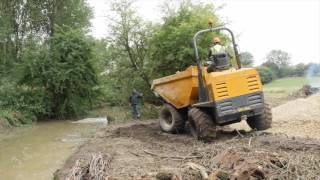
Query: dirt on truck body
x=142 y=151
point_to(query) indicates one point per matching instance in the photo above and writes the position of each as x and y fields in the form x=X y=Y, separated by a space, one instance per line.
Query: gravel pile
x=303 y=109
x=300 y=117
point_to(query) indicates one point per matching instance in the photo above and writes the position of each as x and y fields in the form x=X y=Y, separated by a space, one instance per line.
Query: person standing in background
x=134 y=101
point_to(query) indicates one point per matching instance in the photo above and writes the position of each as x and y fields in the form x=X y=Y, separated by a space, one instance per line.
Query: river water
x=35 y=152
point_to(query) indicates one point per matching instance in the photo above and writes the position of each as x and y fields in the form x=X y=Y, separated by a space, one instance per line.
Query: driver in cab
x=217 y=51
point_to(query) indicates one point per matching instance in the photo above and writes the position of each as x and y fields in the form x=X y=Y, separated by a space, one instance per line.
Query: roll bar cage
x=203 y=95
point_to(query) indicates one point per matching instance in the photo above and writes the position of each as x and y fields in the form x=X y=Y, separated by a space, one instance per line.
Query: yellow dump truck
x=206 y=99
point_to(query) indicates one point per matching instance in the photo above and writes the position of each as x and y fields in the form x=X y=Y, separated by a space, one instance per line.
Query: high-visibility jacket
x=216 y=49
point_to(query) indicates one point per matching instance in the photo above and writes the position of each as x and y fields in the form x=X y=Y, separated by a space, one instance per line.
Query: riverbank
x=36 y=150
x=48 y=144
x=142 y=151
x=139 y=150
x=13 y=118
x=115 y=114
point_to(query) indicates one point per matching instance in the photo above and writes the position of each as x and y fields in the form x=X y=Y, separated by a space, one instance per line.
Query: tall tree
x=300 y=69
x=278 y=61
x=129 y=33
x=35 y=20
x=246 y=59
x=73 y=13
x=143 y=51
x=171 y=48
x=64 y=69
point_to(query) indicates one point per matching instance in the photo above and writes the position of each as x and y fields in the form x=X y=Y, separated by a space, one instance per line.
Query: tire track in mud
x=142 y=151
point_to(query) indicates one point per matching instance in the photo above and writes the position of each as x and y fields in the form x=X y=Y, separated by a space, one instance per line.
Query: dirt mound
x=142 y=151
x=276 y=98
x=298 y=118
x=305 y=91
x=298 y=110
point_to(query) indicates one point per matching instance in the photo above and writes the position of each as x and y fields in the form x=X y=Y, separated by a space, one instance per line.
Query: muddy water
x=36 y=151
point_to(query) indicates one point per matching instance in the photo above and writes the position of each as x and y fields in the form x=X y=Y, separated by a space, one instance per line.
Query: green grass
x=290 y=84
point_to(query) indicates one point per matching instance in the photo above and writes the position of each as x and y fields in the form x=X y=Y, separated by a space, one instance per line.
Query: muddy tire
x=262 y=121
x=201 y=125
x=171 y=120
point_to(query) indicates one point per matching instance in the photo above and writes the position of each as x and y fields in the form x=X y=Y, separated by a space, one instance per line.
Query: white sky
x=260 y=25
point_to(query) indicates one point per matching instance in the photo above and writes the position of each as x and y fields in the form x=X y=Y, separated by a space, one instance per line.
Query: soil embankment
x=142 y=151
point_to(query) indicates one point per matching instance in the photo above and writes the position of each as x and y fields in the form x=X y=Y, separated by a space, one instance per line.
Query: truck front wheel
x=171 y=120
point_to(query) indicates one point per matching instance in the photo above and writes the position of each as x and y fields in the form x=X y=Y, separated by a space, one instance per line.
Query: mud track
x=142 y=151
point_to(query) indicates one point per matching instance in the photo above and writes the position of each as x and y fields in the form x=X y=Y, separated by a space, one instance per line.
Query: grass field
x=288 y=85
x=281 y=90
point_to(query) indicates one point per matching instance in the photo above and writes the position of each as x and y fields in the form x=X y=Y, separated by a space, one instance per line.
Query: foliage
x=22 y=99
x=22 y=21
x=138 y=51
x=43 y=68
x=10 y=117
x=128 y=48
x=266 y=74
x=18 y=104
x=279 y=62
x=298 y=70
x=73 y=13
x=171 y=48
x=64 y=72
x=289 y=84
x=246 y=59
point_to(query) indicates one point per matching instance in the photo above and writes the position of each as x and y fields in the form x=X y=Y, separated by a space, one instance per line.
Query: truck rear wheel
x=262 y=121
x=171 y=120
x=201 y=125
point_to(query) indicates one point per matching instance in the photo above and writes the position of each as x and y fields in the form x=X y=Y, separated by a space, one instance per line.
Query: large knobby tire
x=202 y=126
x=262 y=121
x=171 y=120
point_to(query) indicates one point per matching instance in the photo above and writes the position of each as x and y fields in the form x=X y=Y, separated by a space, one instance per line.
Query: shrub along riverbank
x=57 y=79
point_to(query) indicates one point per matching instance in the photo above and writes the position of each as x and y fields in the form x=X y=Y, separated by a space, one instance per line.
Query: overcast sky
x=260 y=25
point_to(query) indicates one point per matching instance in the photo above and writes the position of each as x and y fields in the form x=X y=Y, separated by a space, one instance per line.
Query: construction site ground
x=140 y=150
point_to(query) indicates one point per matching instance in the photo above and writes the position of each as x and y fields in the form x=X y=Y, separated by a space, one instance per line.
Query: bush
x=10 y=117
x=64 y=72
x=18 y=105
x=22 y=98
x=266 y=74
